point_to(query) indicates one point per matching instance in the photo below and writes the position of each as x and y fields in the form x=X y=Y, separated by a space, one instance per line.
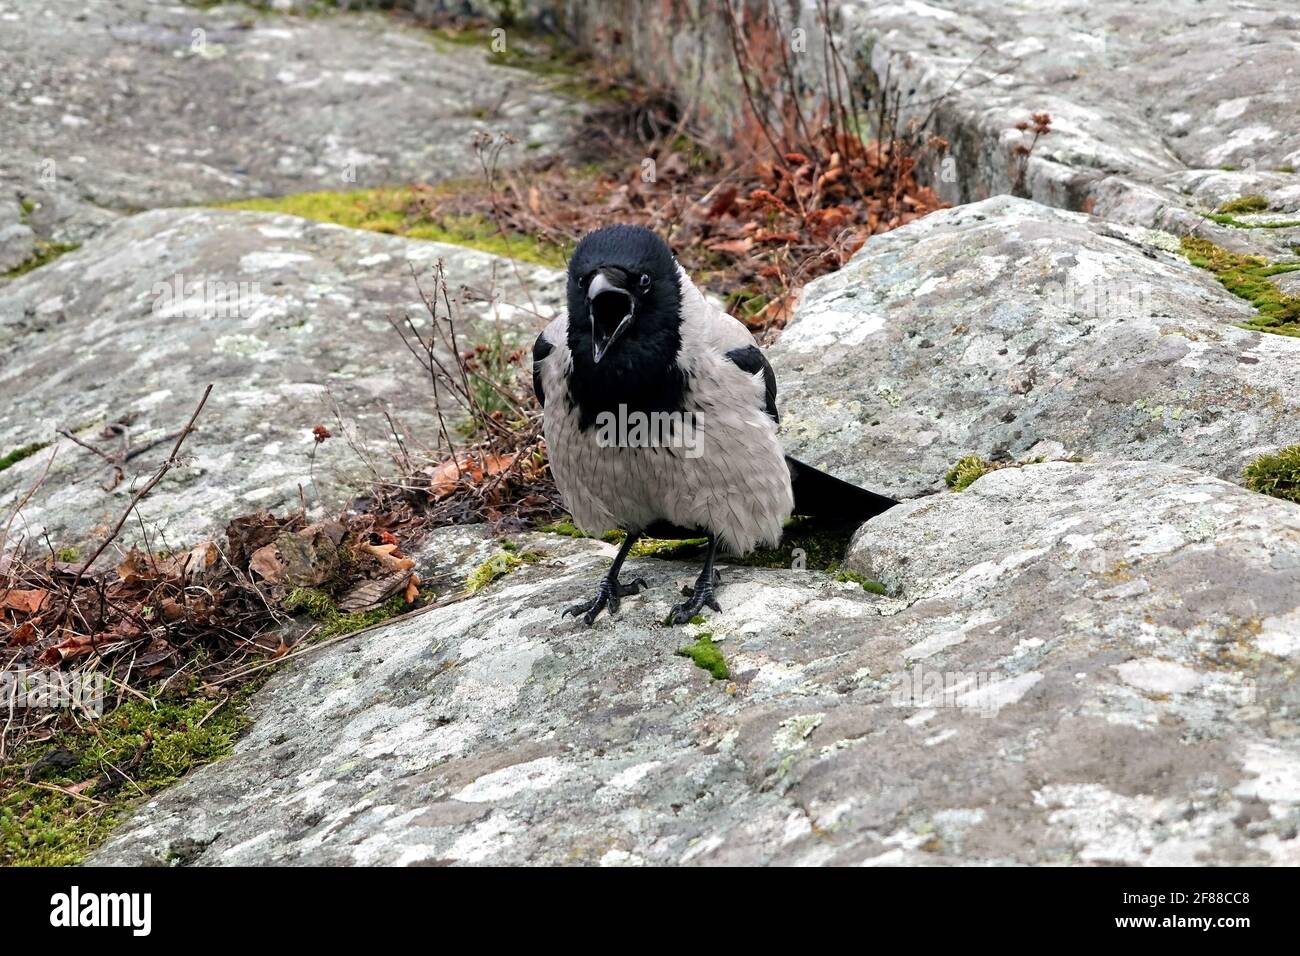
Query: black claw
x=701 y=596
x=689 y=591
x=607 y=596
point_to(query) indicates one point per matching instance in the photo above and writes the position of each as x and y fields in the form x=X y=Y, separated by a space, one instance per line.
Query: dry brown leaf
x=266 y=563
x=24 y=600
x=737 y=247
x=23 y=635
x=389 y=561
x=370 y=594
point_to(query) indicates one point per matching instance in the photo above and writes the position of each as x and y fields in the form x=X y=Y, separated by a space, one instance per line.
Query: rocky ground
x=1086 y=656
x=1160 y=112
x=113 y=106
x=290 y=319
x=1114 y=648
x=1009 y=329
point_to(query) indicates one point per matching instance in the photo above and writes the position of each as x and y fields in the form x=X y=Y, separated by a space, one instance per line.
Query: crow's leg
x=609 y=591
x=689 y=590
x=702 y=594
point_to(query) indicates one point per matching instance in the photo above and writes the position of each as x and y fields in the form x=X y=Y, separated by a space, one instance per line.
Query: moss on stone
x=972 y=467
x=153 y=742
x=1226 y=219
x=807 y=544
x=706 y=656
x=46 y=252
x=967 y=470
x=1245 y=204
x=1276 y=474
x=320 y=606
x=568 y=529
x=1249 y=277
x=498 y=566
x=390 y=210
x=667 y=548
x=563 y=527
x=18 y=454
x=866 y=583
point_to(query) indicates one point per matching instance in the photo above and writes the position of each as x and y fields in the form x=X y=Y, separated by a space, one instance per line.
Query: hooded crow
x=660 y=418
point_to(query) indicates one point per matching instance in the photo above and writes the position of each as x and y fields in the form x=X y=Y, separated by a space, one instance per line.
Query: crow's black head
x=624 y=322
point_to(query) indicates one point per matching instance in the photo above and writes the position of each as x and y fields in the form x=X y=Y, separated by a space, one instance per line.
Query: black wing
x=541 y=349
x=751 y=359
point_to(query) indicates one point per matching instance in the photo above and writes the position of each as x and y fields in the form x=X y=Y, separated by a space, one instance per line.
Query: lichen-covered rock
x=1145 y=99
x=1012 y=330
x=1076 y=663
x=288 y=319
x=111 y=107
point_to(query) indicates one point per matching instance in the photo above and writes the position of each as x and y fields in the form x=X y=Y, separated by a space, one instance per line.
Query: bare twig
x=135 y=500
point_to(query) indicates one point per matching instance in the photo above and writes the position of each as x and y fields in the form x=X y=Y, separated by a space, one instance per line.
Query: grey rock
x=287 y=318
x=1117 y=642
x=1010 y=330
x=1147 y=100
x=17 y=241
x=112 y=107
x=1288 y=282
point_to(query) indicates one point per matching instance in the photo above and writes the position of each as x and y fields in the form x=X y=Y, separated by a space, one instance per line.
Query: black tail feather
x=819 y=495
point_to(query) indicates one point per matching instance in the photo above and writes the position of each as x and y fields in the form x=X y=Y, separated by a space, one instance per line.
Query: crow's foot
x=607 y=596
x=701 y=596
x=689 y=591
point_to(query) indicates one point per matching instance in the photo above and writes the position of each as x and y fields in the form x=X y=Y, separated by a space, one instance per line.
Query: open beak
x=611 y=307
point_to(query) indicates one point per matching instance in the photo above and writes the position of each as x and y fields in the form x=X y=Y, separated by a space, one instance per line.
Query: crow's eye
x=645 y=280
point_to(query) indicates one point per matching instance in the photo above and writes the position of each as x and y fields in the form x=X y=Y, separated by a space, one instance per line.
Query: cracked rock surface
x=1160 y=112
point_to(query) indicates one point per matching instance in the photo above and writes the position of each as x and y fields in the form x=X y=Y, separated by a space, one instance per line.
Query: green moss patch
x=18 y=454
x=668 y=549
x=1245 y=204
x=1277 y=474
x=498 y=566
x=1249 y=278
x=320 y=606
x=46 y=252
x=563 y=527
x=61 y=797
x=808 y=544
x=1226 y=219
x=395 y=211
x=707 y=656
x=868 y=585
x=972 y=467
x=646 y=547
x=963 y=474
